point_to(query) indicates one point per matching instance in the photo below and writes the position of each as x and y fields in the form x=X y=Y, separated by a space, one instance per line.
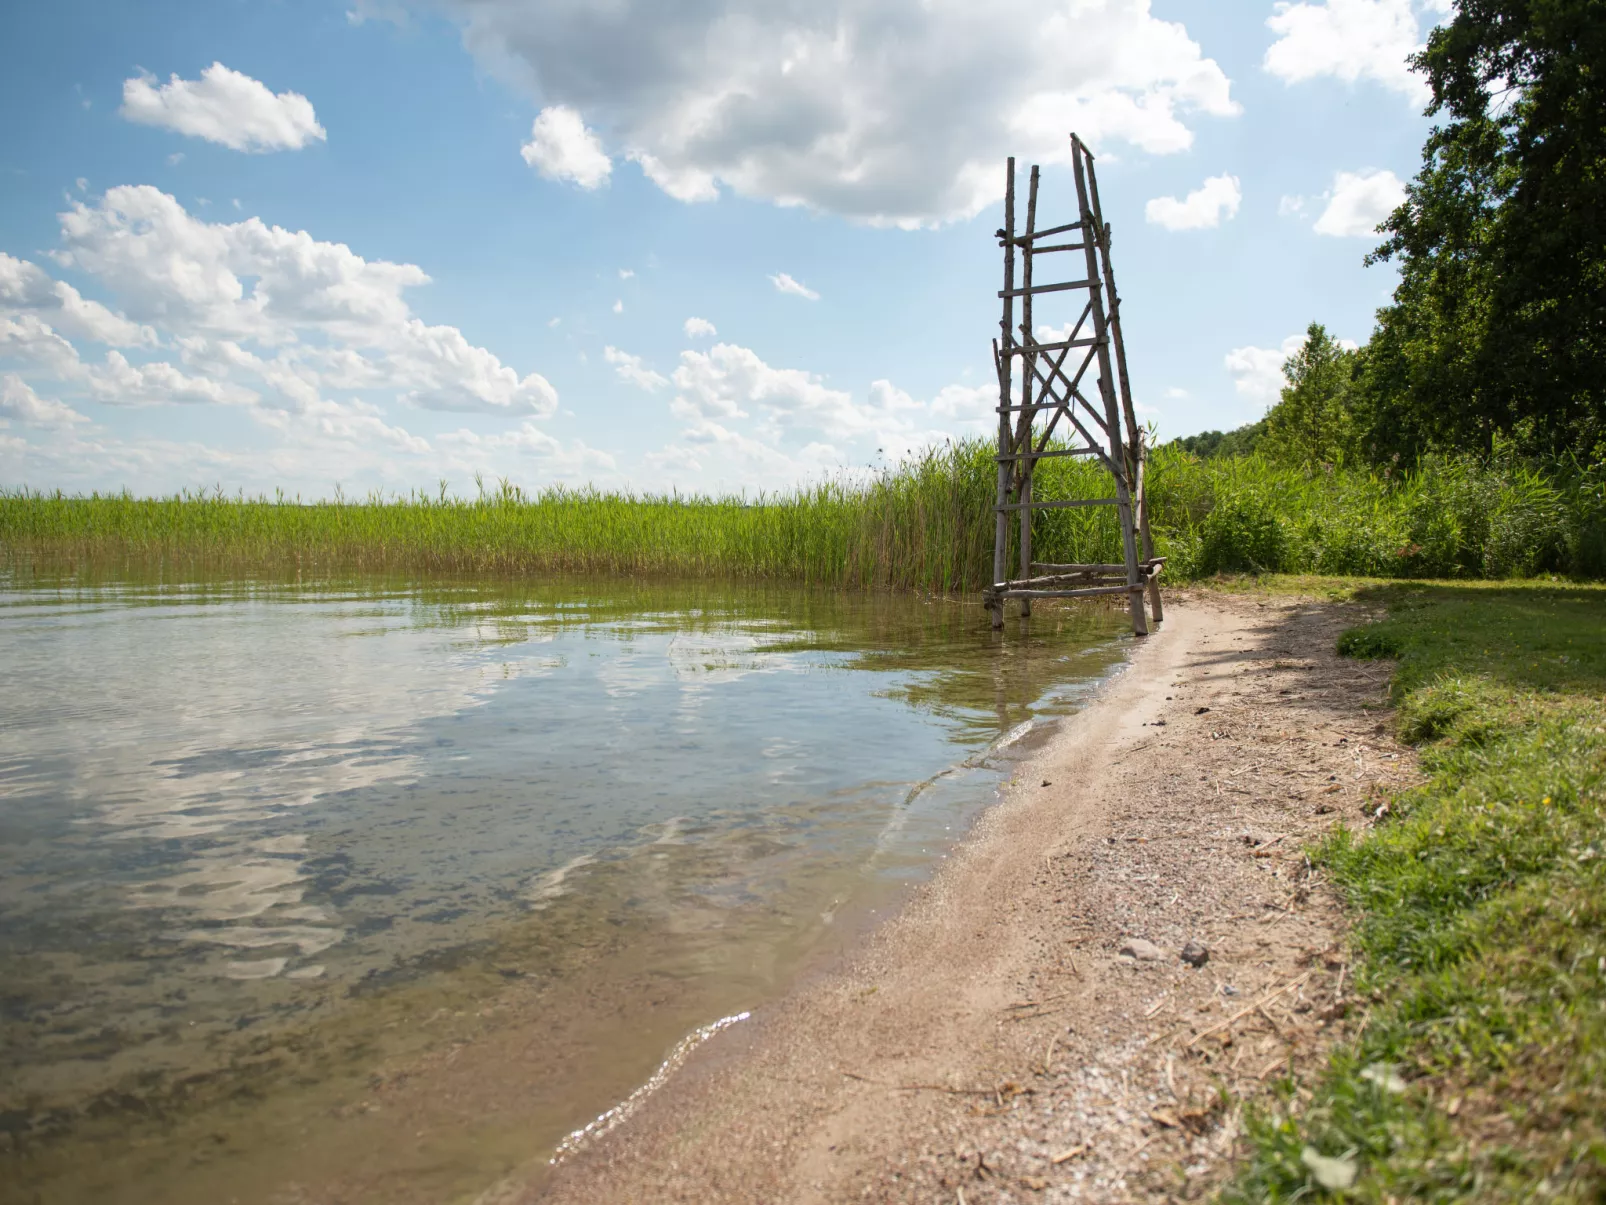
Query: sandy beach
x=1027 y=1027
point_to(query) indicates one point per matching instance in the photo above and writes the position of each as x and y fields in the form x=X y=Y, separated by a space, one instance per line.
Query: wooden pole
x=1026 y=468
x=1155 y=609
x=1092 y=242
x=1137 y=453
x=1006 y=374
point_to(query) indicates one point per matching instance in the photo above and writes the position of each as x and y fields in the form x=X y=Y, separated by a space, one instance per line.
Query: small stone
x=1142 y=951
x=1046 y=783
x=1200 y=710
x=1195 y=955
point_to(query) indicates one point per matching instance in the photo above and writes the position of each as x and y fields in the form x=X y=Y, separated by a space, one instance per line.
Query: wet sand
x=992 y=1042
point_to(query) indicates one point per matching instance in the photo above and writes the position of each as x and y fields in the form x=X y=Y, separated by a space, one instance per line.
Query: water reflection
x=248 y=828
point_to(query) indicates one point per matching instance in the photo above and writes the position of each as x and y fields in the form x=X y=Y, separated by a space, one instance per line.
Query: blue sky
x=299 y=245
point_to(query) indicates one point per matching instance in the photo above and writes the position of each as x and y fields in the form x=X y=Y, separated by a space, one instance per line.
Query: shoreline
x=990 y=1038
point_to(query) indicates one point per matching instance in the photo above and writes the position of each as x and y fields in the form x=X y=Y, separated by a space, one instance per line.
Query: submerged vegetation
x=1479 y=907
x=925 y=525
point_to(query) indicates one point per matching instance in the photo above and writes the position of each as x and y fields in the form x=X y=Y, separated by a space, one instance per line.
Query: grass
x=1479 y=914
x=924 y=525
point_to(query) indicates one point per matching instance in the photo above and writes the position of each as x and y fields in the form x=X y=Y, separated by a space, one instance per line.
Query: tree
x=1498 y=327
x=1312 y=423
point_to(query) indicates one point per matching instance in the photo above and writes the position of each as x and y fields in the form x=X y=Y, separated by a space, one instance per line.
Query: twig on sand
x=1013 y=1089
x=1247 y=1009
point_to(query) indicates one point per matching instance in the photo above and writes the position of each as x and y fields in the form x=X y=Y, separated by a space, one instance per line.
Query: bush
x=1243 y=533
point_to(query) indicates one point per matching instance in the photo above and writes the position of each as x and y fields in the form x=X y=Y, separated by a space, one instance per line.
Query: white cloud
x=785 y=284
x=561 y=148
x=123 y=384
x=1291 y=206
x=1350 y=40
x=27 y=288
x=576 y=460
x=886 y=111
x=619 y=306
x=332 y=319
x=688 y=184
x=749 y=424
x=626 y=273
x=1359 y=201
x=729 y=382
x=1206 y=206
x=631 y=370
x=20 y=403
x=697 y=328
x=226 y=107
x=1257 y=372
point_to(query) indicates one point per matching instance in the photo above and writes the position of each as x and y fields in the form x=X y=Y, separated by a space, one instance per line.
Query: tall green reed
x=924 y=525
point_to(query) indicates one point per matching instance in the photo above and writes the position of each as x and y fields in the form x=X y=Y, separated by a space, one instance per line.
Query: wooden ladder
x=1051 y=382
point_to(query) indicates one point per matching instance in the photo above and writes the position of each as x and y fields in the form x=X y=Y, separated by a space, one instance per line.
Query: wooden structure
x=1042 y=394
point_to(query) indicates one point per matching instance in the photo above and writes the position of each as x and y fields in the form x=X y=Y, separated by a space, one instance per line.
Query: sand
x=992 y=1042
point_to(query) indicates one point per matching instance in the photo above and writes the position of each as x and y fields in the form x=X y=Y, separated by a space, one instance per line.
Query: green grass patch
x=1479 y=914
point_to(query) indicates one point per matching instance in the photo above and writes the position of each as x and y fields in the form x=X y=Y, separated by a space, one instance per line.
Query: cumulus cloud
x=332 y=319
x=27 y=288
x=19 y=403
x=785 y=284
x=311 y=341
x=572 y=460
x=1215 y=200
x=1349 y=40
x=886 y=111
x=764 y=425
x=1257 y=372
x=226 y=107
x=697 y=328
x=632 y=371
x=1358 y=202
x=561 y=148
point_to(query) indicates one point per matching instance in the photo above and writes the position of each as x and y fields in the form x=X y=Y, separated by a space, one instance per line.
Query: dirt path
x=993 y=1043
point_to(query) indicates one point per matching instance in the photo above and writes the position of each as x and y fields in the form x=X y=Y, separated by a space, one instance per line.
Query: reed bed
x=924 y=525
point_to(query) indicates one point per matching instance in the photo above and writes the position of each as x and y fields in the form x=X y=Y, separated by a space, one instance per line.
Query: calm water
x=368 y=890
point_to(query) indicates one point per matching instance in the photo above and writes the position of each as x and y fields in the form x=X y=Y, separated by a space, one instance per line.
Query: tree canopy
x=1496 y=335
x=1498 y=326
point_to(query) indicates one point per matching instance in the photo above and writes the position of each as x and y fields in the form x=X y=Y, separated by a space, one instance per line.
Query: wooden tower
x=1042 y=393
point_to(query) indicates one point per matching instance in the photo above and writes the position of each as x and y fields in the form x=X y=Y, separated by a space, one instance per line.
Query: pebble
x=1195 y=955
x=1143 y=951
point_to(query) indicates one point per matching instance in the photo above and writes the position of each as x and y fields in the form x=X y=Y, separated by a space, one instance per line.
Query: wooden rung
x=1057 y=505
x=1087 y=593
x=1057 y=247
x=1023 y=239
x=1051 y=567
x=1021 y=349
x=1060 y=288
x=1046 y=455
x=1052 y=579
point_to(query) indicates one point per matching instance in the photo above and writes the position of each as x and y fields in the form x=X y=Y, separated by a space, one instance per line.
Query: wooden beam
x=1061 y=288
x=1059 y=505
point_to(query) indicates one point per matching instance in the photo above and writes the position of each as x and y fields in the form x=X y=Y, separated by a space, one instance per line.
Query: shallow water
x=367 y=889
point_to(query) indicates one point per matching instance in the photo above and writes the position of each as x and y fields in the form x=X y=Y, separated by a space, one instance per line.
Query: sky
x=711 y=246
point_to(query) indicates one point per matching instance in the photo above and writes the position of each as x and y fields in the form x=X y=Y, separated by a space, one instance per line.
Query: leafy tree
x=1498 y=327
x=1313 y=423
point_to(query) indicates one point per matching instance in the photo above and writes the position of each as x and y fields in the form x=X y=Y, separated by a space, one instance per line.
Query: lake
x=373 y=889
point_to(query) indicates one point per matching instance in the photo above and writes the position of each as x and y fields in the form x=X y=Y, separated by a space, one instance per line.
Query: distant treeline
x=1495 y=343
